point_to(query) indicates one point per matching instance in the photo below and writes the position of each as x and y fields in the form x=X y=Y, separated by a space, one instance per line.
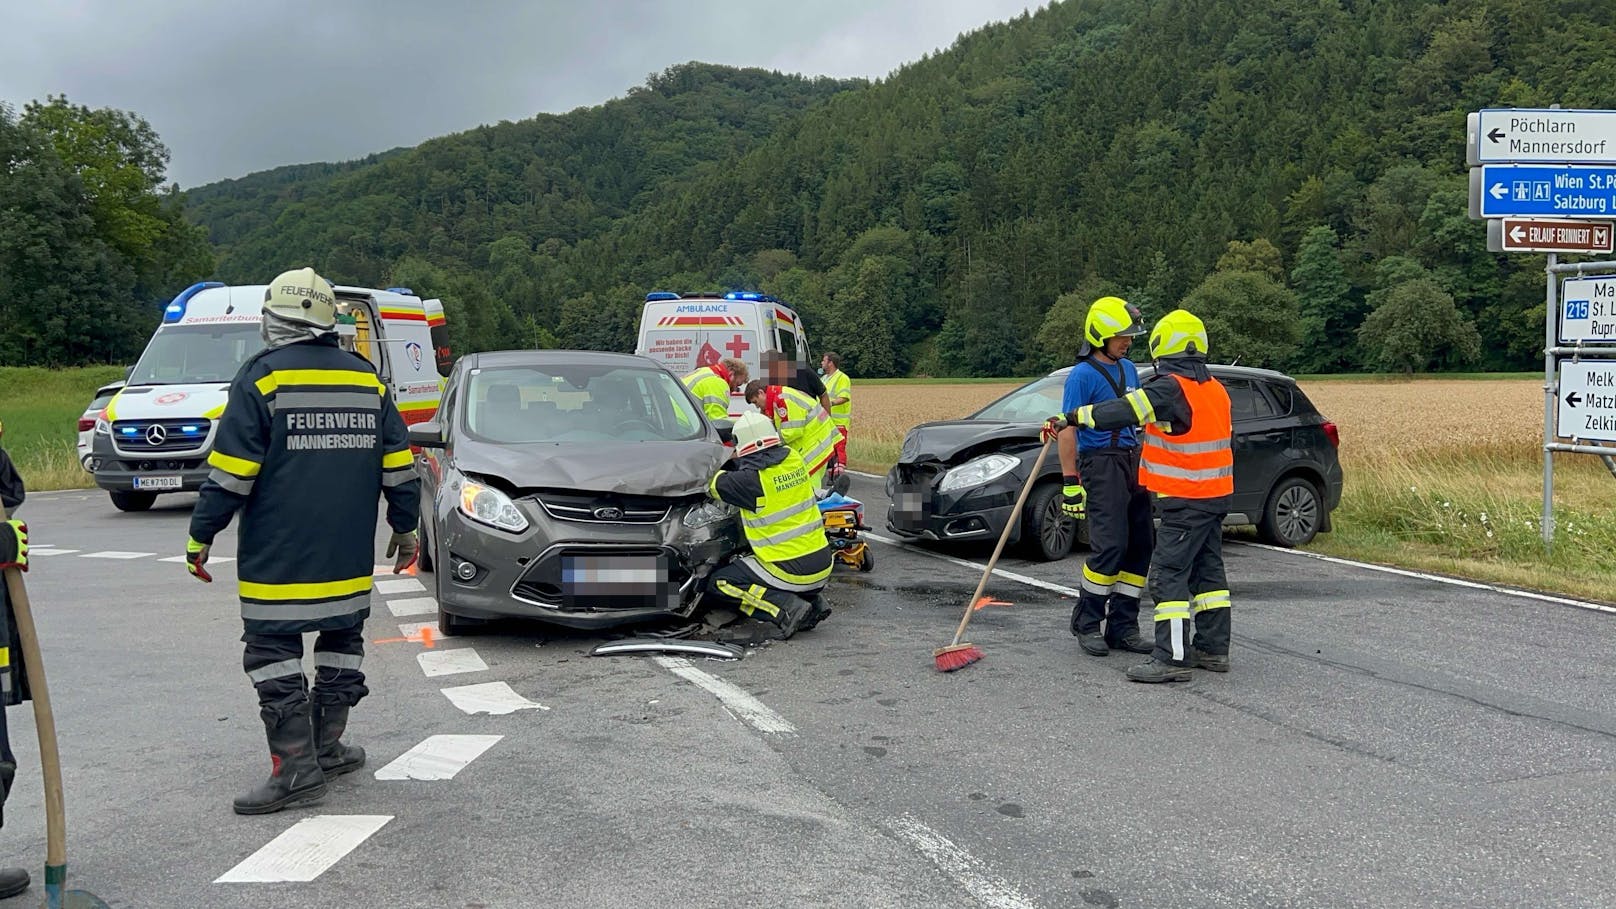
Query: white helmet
x=754 y=432
x=302 y=296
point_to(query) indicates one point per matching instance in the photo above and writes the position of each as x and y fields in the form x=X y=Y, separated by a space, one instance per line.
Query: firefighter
x=712 y=386
x=1188 y=461
x=13 y=678
x=309 y=440
x=790 y=559
x=802 y=422
x=839 y=396
x=1101 y=471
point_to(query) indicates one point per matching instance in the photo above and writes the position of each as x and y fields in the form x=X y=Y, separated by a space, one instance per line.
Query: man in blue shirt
x=1101 y=470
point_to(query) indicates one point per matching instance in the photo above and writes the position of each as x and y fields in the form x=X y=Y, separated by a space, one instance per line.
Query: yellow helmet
x=754 y=432
x=1179 y=333
x=302 y=296
x=1111 y=317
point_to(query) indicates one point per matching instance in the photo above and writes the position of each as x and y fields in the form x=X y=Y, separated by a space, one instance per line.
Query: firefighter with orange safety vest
x=1188 y=461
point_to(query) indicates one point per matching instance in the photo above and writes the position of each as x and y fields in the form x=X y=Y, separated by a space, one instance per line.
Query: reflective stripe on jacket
x=1198 y=463
x=711 y=392
x=779 y=514
x=806 y=428
x=838 y=385
x=308 y=443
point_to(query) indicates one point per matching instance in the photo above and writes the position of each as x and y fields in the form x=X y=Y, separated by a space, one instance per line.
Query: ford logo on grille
x=609 y=513
x=156 y=434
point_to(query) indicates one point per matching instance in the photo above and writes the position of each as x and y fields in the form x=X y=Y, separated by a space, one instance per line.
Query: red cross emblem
x=738 y=346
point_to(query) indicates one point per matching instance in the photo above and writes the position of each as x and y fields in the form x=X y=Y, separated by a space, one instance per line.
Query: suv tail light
x=1332 y=433
x=87 y=422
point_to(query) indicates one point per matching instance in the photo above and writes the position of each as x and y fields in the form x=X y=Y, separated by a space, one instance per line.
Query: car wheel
x=1046 y=532
x=451 y=625
x=425 y=560
x=1293 y=514
x=133 y=501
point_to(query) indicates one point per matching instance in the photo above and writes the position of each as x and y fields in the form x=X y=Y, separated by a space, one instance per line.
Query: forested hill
x=1293 y=170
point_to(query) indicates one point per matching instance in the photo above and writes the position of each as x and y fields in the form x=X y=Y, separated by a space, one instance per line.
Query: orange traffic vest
x=1199 y=463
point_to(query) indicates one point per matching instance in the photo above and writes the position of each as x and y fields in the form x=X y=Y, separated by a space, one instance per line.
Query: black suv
x=958 y=479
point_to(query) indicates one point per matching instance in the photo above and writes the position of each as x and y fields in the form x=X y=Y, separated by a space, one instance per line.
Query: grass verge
x=40 y=409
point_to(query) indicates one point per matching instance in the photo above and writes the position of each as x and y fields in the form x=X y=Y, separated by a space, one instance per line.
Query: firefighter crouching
x=1188 y=461
x=802 y=422
x=790 y=559
x=309 y=440
x=712 y=386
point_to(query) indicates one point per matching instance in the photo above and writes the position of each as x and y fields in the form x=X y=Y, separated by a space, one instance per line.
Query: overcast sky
x=236 y=87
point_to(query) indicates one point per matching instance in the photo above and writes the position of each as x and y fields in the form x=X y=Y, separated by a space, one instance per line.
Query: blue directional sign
x=1565 y=190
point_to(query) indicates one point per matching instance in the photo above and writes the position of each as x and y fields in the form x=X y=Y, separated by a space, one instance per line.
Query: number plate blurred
x=623 y=581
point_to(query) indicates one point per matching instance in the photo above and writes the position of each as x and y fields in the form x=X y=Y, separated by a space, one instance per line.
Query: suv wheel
x=132 y=501
x=1293 y=514
x=424 y=559
x=1047 y=533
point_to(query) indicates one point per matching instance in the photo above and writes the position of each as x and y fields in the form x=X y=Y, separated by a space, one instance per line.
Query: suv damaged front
x=959 y=479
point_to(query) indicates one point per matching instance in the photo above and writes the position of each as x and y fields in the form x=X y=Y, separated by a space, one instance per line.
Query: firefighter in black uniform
x=309 y=441
x=1101 y=471
x=1188 y=461
x=13 y=679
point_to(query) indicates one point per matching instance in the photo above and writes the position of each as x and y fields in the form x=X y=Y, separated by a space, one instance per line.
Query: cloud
x=234 y=88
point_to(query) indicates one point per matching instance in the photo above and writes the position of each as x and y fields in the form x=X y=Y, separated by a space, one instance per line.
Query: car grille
x=148 y=436
x=609 y=509
x=541 y=582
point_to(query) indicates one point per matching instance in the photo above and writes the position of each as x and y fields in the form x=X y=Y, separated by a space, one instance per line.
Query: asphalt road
x=1383 y=741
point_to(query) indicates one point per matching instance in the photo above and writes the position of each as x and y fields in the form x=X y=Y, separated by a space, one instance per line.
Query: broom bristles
x=956 y=657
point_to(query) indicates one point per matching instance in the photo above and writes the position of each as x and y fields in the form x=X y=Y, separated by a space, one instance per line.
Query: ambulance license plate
x=157 y=482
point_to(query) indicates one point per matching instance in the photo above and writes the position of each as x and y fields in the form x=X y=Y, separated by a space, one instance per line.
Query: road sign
x=1588 y=310
x=1548 y=235
x=1587 y=407
x=1545 y=136
x=1554 y=190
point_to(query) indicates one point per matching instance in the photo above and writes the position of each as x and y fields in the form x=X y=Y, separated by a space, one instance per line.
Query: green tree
x=1250 y=318
x=1329 y=316
x=1258 y=255
x=1416 y=326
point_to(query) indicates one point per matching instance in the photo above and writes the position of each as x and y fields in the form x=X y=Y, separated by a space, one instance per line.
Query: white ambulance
x=686 y=331
x=155 y=434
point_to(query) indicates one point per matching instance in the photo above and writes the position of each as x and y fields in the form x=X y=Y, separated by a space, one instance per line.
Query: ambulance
x=154 y=436
x=686 y=331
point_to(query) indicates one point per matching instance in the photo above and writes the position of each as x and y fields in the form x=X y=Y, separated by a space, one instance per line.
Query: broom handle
x=1015 y=515
x=50 y=760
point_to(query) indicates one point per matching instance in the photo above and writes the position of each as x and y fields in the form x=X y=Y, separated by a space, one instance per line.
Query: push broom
x=956 y=655
x=50 y=761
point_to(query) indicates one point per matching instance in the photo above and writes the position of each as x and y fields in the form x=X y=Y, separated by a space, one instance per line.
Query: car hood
x=633 y=468
x=943 y=440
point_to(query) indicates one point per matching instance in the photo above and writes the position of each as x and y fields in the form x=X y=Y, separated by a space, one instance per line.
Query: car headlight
x=487 y=505
x=102 y=427
x=977 y=471
x=708 y=514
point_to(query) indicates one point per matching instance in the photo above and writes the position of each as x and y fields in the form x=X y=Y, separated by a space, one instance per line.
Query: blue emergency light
x=175 y=310
x=401 y=290
x=656 y=295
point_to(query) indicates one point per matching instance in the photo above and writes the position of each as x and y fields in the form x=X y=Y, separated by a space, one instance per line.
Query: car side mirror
x=726 y=430
x=427 y=435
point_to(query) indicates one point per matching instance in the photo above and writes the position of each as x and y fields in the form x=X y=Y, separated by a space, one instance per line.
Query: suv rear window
x=1247 y=400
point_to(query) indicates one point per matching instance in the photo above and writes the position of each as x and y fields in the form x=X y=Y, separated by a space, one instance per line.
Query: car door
x=1262 y=436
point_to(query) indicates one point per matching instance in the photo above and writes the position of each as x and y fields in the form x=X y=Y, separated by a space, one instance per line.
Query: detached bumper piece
x=711 y=649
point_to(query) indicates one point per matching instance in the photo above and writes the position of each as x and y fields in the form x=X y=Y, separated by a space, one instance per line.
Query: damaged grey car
x=569 y=487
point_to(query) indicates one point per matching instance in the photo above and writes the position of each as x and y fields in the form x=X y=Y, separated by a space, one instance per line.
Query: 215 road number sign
x=1588 y=310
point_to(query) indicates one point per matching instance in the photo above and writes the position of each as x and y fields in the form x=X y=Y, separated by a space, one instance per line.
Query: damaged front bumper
x=920 y=512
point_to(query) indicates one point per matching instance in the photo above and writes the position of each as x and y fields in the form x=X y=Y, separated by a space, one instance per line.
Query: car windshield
x=1027 y=404
x=184 y=354
x=579 y=404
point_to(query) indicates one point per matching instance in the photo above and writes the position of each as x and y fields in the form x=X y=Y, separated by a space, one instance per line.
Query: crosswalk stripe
x=35 y=551
x=495 y=698
x=413 y=606
x=450 y=662
x=117 y=554
x=305 y=850
x=402 y=585
x=440 y=757
x=413 y=629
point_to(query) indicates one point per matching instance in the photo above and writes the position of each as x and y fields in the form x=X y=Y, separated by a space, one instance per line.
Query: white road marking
x=495 y=698
x=402 y=585
x=413 y=606
x=964 y=868
x=1440 y=579
x=744 y=706
x=306 y=849
x=978 y=566
x=440 y=757
x=379 y=570
x=450 y=662
x=413 y=629
x=116 y=554
x=48 y=551
x=212 y=559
